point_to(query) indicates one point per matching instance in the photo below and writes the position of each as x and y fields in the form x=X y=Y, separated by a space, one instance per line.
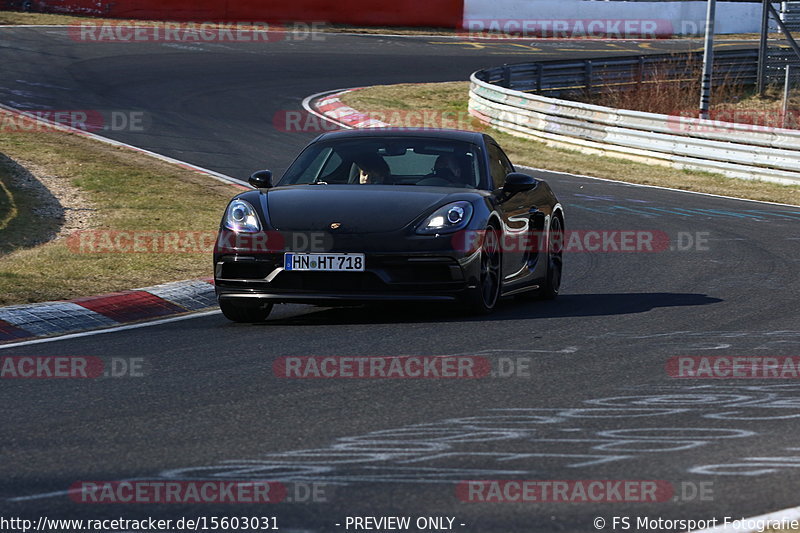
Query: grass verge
x=127 y=191
x=453 y=97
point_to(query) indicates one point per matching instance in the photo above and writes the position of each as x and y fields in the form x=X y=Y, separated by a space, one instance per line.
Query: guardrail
x=735 y=150
x=560 y=77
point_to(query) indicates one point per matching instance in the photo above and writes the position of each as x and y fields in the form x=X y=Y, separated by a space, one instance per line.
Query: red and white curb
x=330 y=107
x=30 y=321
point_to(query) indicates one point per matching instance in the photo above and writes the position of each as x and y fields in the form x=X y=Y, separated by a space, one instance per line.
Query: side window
x=506 y=162
x=499 y=165
x=311 y=166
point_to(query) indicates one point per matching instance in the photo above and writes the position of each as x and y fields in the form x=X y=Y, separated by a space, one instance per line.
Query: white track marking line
x=113 y=329
x=40 y=496
x=659 y=187
x=183 y=164
x=784 y=515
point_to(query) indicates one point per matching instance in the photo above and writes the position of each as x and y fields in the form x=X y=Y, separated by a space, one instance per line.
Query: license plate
x=324 y=262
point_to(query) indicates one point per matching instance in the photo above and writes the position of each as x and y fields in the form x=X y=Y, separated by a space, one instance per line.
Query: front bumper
x=387 y=277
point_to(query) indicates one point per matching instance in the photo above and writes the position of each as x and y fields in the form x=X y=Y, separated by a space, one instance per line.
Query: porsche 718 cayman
x=389 y=214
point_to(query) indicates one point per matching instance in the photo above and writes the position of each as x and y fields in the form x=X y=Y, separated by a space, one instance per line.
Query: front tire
x=243 y=312
x=483 y=299
x=555 y=260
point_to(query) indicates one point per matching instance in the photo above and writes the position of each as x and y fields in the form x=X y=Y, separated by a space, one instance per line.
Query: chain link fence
x=780 y=53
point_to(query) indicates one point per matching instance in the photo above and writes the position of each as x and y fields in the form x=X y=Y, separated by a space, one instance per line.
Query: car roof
x=422 y=133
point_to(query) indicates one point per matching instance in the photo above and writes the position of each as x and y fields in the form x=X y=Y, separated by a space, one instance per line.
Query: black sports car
x=390 y=214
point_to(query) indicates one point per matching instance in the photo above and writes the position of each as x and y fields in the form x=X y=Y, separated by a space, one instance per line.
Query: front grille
x=328 y=281
x=420 y=273
x=245 y=270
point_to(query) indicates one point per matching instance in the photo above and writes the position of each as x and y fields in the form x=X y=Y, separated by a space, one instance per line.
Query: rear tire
x=245 y=313
x=483 y=299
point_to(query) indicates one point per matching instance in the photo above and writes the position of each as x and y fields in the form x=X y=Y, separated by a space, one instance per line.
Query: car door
x=517 y=213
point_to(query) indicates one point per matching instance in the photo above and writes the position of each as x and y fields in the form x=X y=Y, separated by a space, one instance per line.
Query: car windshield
x=394 y=161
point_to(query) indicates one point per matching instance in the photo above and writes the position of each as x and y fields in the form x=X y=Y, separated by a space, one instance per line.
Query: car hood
x=358 y=208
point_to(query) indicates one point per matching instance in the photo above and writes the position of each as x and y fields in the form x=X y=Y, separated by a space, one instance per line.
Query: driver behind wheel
x=448 y=167
x=373 y=170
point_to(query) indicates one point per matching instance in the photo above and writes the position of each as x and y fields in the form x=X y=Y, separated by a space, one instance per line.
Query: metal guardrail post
x=588 y=75
x=785 y=110
x=641 y=70
x=539 y=76
x=708 y=60
x=761 y=78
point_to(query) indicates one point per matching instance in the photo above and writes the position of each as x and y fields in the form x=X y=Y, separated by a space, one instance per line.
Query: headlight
x=241 y=217
x=451 y=217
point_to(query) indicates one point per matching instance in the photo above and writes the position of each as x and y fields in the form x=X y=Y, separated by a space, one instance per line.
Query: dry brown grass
x=761 y=110
x=732 y=101
x=672 y=88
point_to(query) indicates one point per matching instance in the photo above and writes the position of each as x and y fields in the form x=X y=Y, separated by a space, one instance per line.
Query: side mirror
x=519 y=182
x=261 y=179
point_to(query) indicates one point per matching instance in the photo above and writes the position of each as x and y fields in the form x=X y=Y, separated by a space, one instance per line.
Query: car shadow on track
x=567 y=305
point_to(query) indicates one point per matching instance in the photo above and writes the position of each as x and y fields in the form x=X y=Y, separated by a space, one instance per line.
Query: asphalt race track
x=596 y=403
